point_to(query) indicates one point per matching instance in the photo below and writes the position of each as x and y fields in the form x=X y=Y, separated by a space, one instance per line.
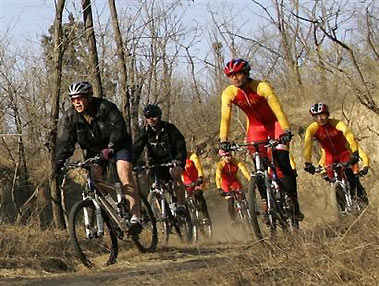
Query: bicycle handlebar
x=268 y=143
x=81 y=164
x=334 y=166
x=149 y=167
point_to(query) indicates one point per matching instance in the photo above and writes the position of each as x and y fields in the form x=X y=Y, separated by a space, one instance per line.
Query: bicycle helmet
x=223 y=153
x=152 y=110
x=237 y=65
x=80 y=88
x=319 y=108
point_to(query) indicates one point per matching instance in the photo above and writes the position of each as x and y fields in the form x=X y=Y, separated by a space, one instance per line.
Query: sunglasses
x=77 y=98
x=150 y=116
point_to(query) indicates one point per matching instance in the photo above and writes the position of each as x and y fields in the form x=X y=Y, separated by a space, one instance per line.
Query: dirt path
x=151 y=269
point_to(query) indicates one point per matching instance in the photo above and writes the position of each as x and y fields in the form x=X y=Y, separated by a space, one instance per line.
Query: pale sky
x=28 y=19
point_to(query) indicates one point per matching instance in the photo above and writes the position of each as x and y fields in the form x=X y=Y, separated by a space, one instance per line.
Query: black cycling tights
x=288 y=182
x=231 y=211
x=199 y=197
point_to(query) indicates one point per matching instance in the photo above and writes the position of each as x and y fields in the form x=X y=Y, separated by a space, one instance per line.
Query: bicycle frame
x=91 y=192
x=166 y=197
x=339 y=180
x=266 y=172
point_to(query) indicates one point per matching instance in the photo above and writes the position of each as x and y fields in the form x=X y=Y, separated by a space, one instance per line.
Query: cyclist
x=227 y=181
x=357 y=172
x=337 y=141
x=164 y=144
x=97 y=126
x=265 y=118
x=193 y=179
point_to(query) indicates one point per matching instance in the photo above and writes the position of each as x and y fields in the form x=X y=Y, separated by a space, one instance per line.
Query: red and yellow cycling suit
x=362 y=155
x=265 y=117
x=226 y=174
x=192 y=171
x=335 y=139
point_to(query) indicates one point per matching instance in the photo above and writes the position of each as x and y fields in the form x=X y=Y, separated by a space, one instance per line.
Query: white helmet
x=80 y=88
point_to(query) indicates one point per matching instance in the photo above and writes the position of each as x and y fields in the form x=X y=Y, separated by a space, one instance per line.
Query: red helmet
x=238 y=65
x=319 y=108
x=223 y=153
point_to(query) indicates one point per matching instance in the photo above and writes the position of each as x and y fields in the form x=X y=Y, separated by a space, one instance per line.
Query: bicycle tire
x=147 y=240
x=87 y=249
x=184 y=226
x=253 y=206
x=195 y=221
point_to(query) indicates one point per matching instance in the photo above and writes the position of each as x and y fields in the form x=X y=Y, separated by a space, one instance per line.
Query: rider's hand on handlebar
x=286 y=137
x=58 y=166
x=199 y=181
x=221 y=192
x=364 y=171
x=309 y=168
x=176 y=162
x=225 y=146
x=354 y=158
x=106 y=153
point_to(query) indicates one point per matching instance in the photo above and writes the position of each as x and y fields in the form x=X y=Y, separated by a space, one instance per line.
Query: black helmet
x=152 y=110
x=80 y=88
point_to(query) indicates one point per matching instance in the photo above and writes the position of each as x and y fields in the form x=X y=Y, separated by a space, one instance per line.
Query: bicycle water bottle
x=99 y=222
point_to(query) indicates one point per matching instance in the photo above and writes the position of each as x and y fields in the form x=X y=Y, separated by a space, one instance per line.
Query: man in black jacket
x=164 y=144
x=98 y=127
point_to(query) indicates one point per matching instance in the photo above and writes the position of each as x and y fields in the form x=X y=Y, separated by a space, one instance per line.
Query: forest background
x=165 y=53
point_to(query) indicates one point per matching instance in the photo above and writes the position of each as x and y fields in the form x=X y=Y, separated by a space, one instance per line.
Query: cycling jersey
x=226 y=174
x=335 y=139
x=192 y=170
x=264 y=113
x=100 y=127
x=362 y=155
x=163 y=145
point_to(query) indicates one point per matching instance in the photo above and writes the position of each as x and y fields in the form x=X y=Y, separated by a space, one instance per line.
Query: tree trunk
x=58 y=216
x=125 y=101
x=91 y=40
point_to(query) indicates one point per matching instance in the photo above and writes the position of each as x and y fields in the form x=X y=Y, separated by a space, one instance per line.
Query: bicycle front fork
x=90 y=229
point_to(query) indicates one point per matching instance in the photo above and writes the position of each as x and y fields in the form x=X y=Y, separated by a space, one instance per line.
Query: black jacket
x=107 y=129
x=163 y=145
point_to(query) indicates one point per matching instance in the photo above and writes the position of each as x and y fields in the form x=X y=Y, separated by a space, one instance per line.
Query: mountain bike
x=347 y=199
x=264 y=180
x=200 y=224
x=244 y=217
x=97 y=221
x=163 y=203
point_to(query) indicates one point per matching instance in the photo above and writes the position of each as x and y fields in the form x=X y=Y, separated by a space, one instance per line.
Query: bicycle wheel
x=253 y=206
x=91 y=248
x=194 y=214
x=162 y=223
x=147 y=240
x=184 y=226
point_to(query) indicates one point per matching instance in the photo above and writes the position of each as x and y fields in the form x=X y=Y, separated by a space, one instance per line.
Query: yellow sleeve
x=309 y=133
x=292 y=161
x=322 y=159
x=219 y=167
x=348 y=135
x=364 y=157
x=243 y=169
x=198 y=166
x=226 y=111
x=265 y=90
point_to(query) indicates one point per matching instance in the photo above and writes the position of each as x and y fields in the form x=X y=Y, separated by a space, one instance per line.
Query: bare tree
x=58 y=215
x=91 y=40
x=125 y=101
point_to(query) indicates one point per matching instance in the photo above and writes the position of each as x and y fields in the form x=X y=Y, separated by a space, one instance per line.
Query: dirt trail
x=149 y=269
